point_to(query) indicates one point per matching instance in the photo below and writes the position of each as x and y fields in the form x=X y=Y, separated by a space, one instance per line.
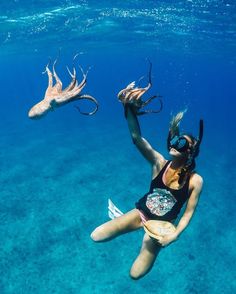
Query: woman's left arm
x=196 y=183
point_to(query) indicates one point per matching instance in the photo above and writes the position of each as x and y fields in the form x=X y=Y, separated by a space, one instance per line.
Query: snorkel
x=196 y=147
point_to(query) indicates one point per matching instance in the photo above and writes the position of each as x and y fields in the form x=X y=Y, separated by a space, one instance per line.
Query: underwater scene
x=59 y=167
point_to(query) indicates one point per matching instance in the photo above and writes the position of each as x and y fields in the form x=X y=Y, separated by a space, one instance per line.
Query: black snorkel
x=168 y=140
x=196 y=149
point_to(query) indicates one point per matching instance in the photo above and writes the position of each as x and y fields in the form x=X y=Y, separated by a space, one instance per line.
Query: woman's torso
x=163 y=202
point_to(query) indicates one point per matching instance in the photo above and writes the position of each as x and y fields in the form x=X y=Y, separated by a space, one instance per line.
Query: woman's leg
x=146 y=258
x=129 y=221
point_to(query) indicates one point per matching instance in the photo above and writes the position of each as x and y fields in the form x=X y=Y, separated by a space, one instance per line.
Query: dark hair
x=186 y=171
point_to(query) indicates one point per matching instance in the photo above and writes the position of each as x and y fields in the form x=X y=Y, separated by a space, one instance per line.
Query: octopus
x=56 y=97
x=132 y=94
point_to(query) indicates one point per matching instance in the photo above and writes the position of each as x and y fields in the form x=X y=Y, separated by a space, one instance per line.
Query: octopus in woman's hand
x=132 y=95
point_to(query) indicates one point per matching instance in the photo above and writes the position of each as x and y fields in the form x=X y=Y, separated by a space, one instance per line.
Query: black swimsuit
x=162 y=202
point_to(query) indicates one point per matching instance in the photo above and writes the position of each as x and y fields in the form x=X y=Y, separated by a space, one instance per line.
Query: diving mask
x=179 y=143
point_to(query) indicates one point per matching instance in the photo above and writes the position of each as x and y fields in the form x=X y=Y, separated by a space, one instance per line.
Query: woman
x=173 y=183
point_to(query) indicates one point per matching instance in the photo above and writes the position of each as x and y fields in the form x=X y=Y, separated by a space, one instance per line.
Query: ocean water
x=57 y=173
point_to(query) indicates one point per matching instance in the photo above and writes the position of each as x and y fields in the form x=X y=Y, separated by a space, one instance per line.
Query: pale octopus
x=55 y=96
x=132 y=95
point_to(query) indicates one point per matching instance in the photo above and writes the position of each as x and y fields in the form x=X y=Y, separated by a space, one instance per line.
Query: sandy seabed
x=55 y=180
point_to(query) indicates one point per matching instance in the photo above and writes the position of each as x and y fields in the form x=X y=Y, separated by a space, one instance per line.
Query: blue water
x=57 y=173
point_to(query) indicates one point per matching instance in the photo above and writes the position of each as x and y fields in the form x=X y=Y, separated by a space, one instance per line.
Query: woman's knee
x=98 y=234
x=145 y=260
x=94 y=236
x=105 y=232
x=135 y=274
x=141 y=266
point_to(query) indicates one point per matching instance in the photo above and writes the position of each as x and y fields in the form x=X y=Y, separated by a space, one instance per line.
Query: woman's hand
x=166 y=240
x=131 y=95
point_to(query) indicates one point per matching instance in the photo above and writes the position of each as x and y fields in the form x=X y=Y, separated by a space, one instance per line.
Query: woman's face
x=177 y=154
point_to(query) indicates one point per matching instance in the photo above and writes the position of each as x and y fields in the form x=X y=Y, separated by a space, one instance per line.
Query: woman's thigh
x=125 y=223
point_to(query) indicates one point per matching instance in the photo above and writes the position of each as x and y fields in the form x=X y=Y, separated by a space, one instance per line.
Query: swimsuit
x=162 y=202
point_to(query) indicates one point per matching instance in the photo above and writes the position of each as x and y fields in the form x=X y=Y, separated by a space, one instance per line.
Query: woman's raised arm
x=154 y=157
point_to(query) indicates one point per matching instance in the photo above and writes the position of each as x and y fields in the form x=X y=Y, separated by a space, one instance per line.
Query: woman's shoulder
x=161 y=162
x=158 y=166
x=196 y=181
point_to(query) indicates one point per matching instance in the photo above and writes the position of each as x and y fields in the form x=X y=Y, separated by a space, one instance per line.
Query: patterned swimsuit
x=162 y=202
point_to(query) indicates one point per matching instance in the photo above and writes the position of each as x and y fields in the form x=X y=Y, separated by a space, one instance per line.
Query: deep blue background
x=57 y=173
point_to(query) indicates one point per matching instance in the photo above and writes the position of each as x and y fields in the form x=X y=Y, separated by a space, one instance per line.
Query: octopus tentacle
x=50 y=76
x=150 y=110
x=150 y=72
x=83 y=82
x=73 y=81
x=58 y=84
x=91 y=98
